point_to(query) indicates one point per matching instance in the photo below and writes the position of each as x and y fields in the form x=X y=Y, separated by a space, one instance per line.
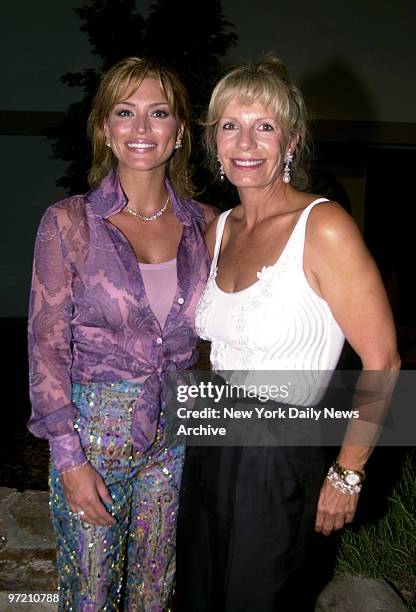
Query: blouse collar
x=109 y=198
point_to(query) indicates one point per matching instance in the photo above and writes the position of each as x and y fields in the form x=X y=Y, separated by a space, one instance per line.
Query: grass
x=387 y=548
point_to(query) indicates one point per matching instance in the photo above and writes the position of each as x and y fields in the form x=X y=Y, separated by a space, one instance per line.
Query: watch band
x=344 y=472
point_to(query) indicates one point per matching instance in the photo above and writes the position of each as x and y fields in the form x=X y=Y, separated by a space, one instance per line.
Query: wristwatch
x=351 y=477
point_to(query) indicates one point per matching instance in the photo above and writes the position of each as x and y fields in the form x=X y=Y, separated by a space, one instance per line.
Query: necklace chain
x=155 y=215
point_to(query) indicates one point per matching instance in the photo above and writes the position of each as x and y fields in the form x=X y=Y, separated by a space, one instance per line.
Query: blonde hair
x=127 y=75
x=266 y=82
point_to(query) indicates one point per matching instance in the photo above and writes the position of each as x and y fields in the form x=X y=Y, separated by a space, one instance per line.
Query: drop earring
x=286 y=169
x=178 y=143
x=107 y=143
x=221 y=170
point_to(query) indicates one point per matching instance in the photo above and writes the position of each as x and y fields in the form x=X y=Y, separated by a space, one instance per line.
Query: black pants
x=246 y=529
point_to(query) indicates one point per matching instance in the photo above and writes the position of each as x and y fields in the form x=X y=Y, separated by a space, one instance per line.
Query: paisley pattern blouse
x=90 y=319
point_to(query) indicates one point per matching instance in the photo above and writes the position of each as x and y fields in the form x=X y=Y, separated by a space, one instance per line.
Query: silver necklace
x=151 y=217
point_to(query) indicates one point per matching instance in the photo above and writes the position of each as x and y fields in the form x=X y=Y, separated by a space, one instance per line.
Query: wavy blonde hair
x=266 y=82
x=127 y=75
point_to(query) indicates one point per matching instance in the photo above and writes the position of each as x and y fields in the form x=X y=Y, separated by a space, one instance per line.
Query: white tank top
x=277 y=323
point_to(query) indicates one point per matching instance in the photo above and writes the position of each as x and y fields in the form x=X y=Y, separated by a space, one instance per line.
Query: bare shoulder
x=330 y=226
x=334 y=247
x=210 y=235
x=211 y=232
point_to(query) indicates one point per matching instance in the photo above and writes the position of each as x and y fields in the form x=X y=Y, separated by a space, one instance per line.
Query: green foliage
x=190 y=41
x=387 y=547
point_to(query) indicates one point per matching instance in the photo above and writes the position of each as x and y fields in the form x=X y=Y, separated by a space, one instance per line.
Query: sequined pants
x=131 y=565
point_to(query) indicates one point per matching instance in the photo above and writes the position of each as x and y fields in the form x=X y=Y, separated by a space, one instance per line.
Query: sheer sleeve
x=210 y=212
x=50 y=352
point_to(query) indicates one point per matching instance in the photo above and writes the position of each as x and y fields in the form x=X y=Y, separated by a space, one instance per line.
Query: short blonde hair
x=266 y=82
x=127 y=75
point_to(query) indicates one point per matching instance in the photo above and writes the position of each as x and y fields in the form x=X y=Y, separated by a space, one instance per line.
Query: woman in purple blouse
x=117 y=274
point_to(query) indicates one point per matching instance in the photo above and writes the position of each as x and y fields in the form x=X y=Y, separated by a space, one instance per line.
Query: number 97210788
x=32 y=598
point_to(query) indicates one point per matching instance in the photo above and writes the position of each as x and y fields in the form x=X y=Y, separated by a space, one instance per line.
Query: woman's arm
x=340 y=268
x=50 y=354
x=50 y=358
x=344 y=273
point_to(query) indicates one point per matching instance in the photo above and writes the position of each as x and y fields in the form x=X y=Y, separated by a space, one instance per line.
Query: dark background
x=355 y=62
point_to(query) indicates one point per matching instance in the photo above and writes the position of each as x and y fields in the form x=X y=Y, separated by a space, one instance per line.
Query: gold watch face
x=352 y=479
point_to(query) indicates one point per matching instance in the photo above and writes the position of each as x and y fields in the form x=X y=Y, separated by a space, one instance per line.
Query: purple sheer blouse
x=90 y=318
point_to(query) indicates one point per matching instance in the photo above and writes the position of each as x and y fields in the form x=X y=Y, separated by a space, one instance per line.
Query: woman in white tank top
x=290 y=279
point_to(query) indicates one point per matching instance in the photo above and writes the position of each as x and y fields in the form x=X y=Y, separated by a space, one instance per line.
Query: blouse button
x=159 y=341
x=180 y=300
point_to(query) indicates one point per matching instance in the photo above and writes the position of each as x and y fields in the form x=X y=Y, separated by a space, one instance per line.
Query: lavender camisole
x=160 y=281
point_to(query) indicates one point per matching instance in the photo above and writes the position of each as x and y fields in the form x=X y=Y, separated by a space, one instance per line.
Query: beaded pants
x=129 y=566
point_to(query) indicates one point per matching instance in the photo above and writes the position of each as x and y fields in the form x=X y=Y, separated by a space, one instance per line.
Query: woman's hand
x=340 y=269
x=85 y=491
x=335 y=509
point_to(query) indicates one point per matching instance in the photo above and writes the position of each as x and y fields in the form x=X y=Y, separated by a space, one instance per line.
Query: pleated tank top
x=278 y=322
